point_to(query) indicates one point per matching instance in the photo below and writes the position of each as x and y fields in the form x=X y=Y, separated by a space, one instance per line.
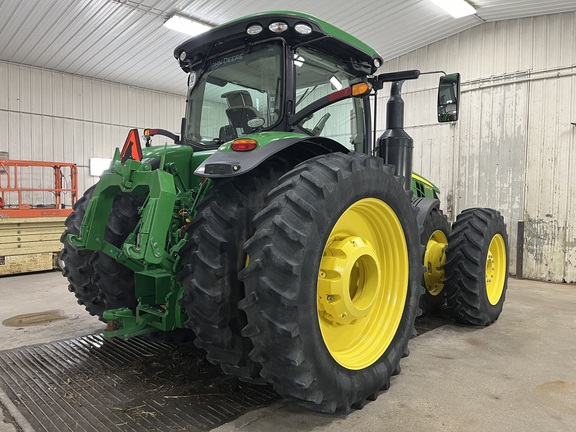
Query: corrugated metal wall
x=53 y=116
x=514 y=147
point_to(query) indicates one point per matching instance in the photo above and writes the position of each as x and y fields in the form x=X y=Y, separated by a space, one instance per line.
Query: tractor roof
x=323 y=37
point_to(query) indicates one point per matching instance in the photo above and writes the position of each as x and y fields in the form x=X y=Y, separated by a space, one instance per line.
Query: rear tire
x=211 y=262
x=316 y=283
x=98 y=281
x=434 y=238
x=477 y=267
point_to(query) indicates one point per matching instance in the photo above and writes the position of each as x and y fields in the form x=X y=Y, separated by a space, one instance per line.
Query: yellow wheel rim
x=434 y=260
x=362 y=283
x=496 y=269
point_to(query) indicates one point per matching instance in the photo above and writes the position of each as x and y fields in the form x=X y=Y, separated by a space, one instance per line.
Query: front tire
x=333 y=282
x=477 y=267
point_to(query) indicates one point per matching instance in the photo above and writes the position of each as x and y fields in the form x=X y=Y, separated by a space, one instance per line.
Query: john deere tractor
x=297 y=245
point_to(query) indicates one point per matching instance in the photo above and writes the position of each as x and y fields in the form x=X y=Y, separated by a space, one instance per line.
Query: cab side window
x=317 y=76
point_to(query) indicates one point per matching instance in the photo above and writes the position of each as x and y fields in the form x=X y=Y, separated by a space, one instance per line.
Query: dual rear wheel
x=325 y=305
x=212 y=259
x=328 y=297
x=333 y=283
x=434 y=237
x=466 y=265
x=477 y=267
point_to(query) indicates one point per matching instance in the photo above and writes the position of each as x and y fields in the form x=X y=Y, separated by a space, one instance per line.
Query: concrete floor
x=516 y=375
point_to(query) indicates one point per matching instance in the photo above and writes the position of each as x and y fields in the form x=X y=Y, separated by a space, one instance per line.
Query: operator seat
x=240 y=110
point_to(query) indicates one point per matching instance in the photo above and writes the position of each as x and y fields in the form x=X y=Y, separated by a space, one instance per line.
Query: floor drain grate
x=95 y=384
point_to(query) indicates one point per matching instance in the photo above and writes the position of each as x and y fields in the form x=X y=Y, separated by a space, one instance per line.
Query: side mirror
x=448 y=98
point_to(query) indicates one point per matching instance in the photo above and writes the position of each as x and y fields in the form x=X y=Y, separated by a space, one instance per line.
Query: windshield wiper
x=306 y=94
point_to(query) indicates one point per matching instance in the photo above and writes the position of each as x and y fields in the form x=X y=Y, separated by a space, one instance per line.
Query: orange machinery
x=13 y=182
x=30 y=231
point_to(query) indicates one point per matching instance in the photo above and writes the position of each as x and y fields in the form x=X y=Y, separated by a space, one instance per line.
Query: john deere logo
x=226 y=60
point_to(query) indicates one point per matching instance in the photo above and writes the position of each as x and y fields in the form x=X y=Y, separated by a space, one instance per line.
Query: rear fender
x=229 y=163
x=425 y=206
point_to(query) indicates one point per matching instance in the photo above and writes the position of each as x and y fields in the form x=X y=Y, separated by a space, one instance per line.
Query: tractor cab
x=285 y=80
x=274 y=72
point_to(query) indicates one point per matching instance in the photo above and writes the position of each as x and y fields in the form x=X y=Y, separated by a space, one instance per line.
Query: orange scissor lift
x=30 y=227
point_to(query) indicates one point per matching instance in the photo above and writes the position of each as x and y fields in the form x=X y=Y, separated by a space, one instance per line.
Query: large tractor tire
x=212 y=259
x=477 y=267
x=333 y=281
x=98 y=281
x=434 y=237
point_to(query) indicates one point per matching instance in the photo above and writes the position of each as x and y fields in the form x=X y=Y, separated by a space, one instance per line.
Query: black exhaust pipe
x=395 y=145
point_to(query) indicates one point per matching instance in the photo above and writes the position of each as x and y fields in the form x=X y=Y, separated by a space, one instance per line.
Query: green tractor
x=297 y=245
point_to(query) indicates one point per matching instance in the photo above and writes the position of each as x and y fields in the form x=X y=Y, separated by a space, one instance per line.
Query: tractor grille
x=95 y=384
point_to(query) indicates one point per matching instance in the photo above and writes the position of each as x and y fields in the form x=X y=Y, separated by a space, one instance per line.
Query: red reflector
x=243 y=144
x=132 y=148
x=340 y=94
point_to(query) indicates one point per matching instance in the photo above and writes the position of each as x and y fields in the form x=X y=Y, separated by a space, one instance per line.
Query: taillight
x=243 y=144
x=150 y=132
x=361 y=89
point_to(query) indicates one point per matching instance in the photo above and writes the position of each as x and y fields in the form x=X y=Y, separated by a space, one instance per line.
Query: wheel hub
x=489 y=268
x=349 y=280
x=434 y=260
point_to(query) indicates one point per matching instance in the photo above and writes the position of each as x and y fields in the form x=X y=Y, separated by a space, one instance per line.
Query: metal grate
x=94 y=384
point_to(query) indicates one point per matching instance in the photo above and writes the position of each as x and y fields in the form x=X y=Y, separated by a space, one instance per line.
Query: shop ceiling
x=125 y=40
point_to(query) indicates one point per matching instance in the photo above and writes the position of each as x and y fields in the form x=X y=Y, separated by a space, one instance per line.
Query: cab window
x=318 y=75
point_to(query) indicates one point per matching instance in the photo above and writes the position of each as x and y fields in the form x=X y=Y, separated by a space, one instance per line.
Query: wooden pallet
x=29 y=244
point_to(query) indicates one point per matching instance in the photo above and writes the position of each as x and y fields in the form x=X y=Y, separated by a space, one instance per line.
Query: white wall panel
x=550 y=212
x=53 y=116
x=514 y=146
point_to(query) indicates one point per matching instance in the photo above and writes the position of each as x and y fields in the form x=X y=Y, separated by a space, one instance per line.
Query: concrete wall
x=53 y=116
x=514 y=148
